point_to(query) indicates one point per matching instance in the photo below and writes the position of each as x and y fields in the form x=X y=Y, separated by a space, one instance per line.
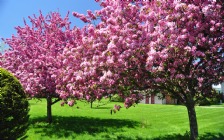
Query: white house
x=219 y=88
x=155 y=99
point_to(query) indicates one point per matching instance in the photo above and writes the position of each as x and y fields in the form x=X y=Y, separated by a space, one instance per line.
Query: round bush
x=14 y=107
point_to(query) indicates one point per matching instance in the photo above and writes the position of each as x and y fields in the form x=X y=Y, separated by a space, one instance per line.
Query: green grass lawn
x=143 y=122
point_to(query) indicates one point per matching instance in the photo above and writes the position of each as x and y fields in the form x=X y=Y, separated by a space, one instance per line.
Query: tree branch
x=55 y=101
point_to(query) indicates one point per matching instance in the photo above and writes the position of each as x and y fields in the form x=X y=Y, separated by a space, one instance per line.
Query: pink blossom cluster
x=132 y=99
x=117 y=107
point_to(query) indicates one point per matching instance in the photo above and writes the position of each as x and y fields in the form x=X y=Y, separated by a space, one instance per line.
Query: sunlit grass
x=141 y=122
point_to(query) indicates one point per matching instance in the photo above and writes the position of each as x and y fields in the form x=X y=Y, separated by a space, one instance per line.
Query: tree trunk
x=49 y=113
x=91 y=104
x=192 y=121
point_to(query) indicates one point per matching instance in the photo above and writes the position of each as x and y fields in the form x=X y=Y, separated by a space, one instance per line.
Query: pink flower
x=71 y=102
x=109 y=73
x=102 y=78
x=117 y=107
x=180 y=76
x=62 y=103
x=78 y=78
x=88 y=97
x=90 y=14
x=200 y=79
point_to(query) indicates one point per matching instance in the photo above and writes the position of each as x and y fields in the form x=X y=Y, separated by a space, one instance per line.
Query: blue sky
x=12 y=12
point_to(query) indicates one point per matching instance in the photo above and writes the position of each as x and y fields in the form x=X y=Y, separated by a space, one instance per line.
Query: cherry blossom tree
x=174 y=47
x=97 y=64
x=81 y=78
x=33 y=55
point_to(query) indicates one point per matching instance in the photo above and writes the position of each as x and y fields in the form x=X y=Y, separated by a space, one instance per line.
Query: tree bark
x=91 y=104
x=49 y=112
x=192 y=121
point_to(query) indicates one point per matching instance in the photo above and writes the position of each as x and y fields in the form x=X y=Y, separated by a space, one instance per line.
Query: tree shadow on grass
x=212 y=136
x=64 y=126
x=102 y=107
x=206 y=136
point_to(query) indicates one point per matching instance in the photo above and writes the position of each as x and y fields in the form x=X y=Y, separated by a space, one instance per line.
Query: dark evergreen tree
x=14 y=107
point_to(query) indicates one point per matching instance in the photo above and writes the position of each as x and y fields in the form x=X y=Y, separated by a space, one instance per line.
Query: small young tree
x=33 y=55
x=14 y=107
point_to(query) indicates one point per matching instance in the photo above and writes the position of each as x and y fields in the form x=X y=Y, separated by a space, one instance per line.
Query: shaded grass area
x=207 y=136
x=143 y=122
x=65 y=126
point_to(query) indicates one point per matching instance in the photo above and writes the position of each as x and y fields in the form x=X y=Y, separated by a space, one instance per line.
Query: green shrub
x=204 y=101
x=116 y=98
x=14 y=107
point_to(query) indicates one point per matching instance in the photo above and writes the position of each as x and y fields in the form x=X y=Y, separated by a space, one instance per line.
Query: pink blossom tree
x=78 y=78
x=92 y=70
x=33 y=55
x=175 y=47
